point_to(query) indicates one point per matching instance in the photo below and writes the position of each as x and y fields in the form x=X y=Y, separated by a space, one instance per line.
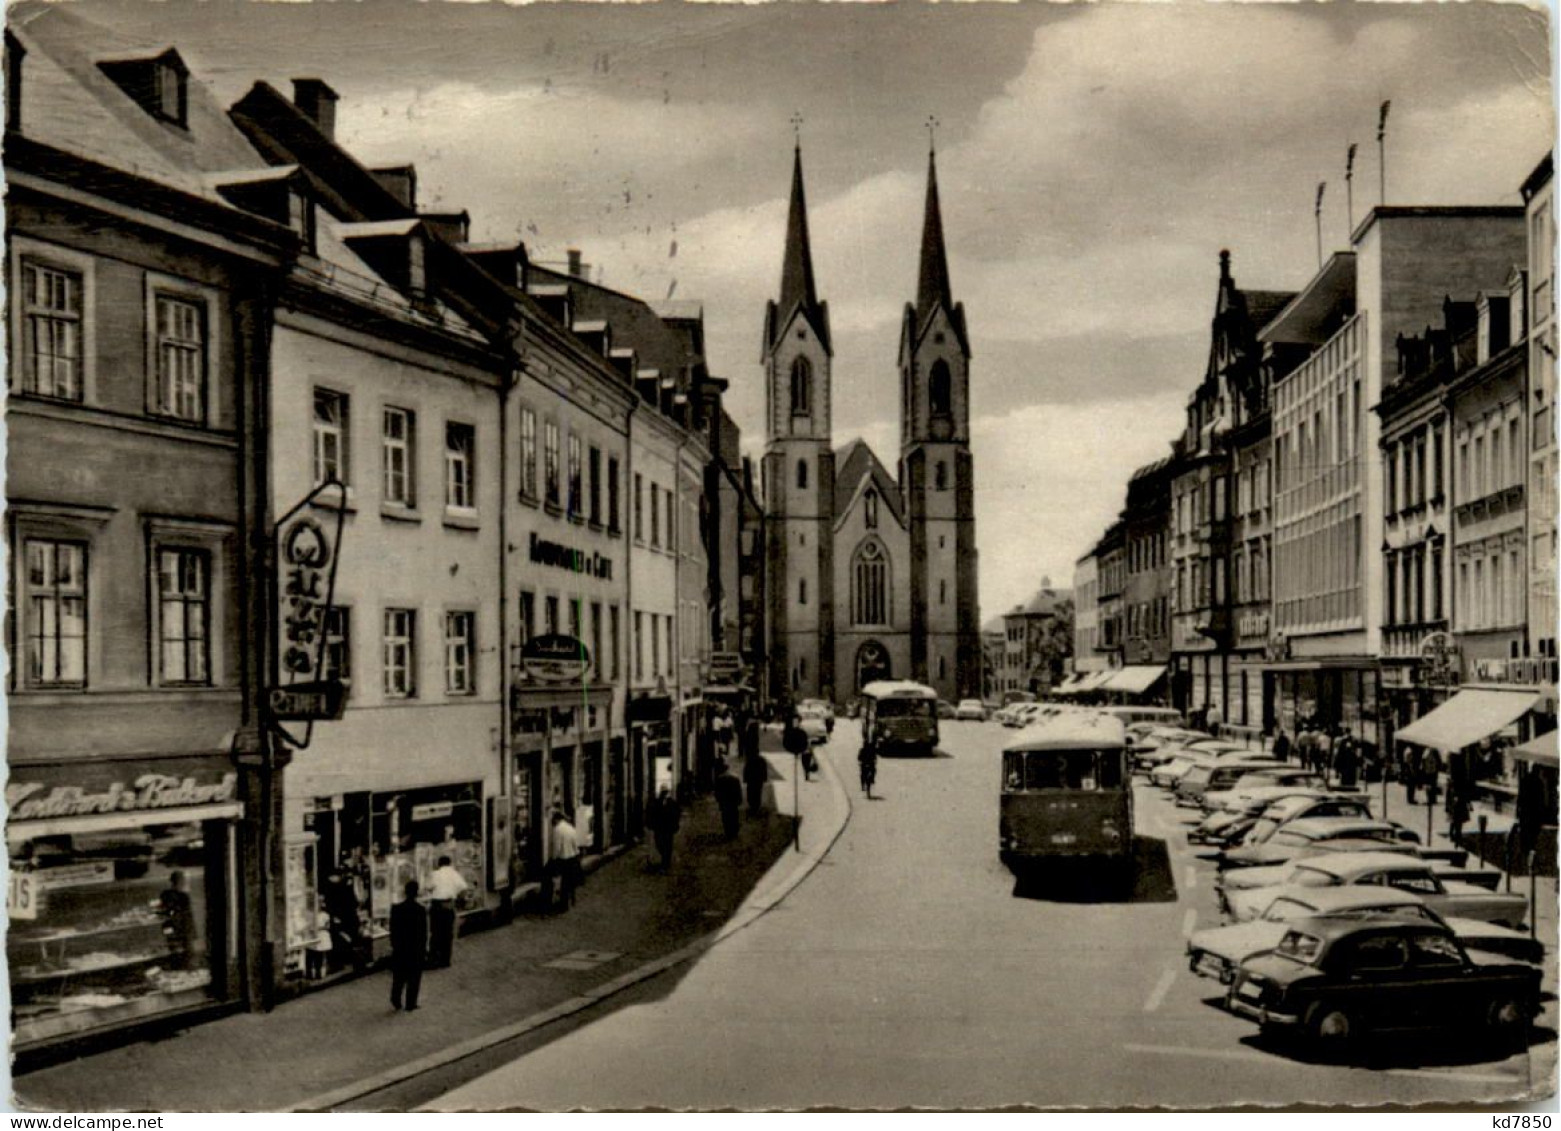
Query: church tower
x=936 y=472
x=799 y=471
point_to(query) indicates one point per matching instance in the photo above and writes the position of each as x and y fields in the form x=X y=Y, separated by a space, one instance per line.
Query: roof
x=1046 y=600
x=1263 y=305
x=797 y=290
x=71 y=104
x=855 y=462
x=1306 y=317
x=932 y=282
x=1071 y=730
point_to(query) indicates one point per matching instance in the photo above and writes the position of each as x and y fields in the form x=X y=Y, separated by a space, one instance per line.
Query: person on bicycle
x=868 y=761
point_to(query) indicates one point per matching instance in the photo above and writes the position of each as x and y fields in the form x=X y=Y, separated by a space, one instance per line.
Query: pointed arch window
x=940 y=390
x=870 y=510
x=801 y=387
x=870 y=585
x=802 y=475
x=941 y=475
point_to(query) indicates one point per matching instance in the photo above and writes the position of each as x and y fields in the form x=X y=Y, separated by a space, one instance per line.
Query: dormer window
x=168 y=78
x=160 y=86
x=300 y=217
x=417 y=276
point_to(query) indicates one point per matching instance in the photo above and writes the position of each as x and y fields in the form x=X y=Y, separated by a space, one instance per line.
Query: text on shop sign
x=548 y=553
x=149 y=791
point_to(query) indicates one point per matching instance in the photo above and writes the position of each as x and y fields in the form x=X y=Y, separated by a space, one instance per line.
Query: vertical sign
x=307 y=551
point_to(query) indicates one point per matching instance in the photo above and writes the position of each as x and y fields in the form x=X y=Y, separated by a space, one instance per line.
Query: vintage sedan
x=1297 y=807
x=1217 y=952
x=1338 y=978
x=1448 y=896
x=1230 y=824
x=1294 y=837
x=1238 y=794
x=971 y=709
x=814 y=723
x=1204 y=752
x=1198 y=781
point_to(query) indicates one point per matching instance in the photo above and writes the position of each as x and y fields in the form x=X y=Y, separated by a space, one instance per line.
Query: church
x=869 y=575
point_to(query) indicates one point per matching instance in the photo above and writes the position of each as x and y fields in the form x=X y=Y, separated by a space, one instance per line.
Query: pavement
x=345 y=1046
x=912 y=970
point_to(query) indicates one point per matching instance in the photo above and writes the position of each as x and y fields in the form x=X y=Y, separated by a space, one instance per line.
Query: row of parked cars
x=1338 y=923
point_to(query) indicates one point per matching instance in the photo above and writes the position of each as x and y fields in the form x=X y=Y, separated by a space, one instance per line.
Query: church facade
x=869 y=575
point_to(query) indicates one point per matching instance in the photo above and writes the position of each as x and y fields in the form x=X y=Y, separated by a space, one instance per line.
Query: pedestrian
x=565 y=861
x=445 y=888
x=1431 y=776
x=1346 y=760
x=318 y=952
x=756 y=771
x=867 y=762
x=1409 y=772
x=408 y=949
x=729 y=799
x=1458 y=791
x=797 y=743
x=1324 y=754
x=1282 y=747
x=665 y=817
x=346 y=923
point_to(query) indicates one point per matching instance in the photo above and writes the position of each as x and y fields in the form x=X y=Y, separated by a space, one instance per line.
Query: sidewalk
x=532 y=971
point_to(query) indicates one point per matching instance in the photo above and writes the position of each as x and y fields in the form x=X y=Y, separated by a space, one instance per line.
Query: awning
x=1469 y=716
x=1090 y=682
x=1542 y=750
x=1069 y=685
x=1135 y=679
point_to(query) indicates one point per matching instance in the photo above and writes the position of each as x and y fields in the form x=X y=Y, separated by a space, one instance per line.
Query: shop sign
x=21 y=896
x=555 y=658
x=1252 y=626
x=1439 y=660
x=433 y=811
x=317 y=700
x=1278 y=648
x=1533 y=670
x=555 y=554
x=726 y=667
x=27 y=801
x=307 y=552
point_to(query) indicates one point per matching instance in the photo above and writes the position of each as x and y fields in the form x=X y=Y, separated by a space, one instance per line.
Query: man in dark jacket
x=756 y=771
x=408 y=948
x=729 y=798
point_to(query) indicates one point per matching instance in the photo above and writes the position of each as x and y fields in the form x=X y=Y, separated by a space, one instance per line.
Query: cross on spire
x=932 y=133
x=796 y=128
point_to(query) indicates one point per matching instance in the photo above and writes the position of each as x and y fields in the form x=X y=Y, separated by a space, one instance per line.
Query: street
x=908 y=970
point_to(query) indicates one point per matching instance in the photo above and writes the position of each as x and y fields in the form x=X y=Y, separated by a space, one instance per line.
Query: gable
x=857 y=468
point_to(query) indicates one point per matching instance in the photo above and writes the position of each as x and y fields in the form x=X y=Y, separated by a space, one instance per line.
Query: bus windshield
x=904 y=708
x=1062 y=769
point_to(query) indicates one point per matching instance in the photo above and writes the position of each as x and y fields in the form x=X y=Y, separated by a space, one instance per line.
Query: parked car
x=1217 y=952
x=971 y=709
x=1336 y=979
x=1305 y=805
x=1196 y=782
x=1293 y=837
x=1235 y=794
x=1229 y=823
x=824 y=709
x=814 y=722
x=1447 y=895
x=1152 y=745
x=946 y=709
x=1201 y=753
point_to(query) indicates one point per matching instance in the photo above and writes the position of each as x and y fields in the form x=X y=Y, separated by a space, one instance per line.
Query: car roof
x=1298 y=800
x=1347 y=897
x=1335 y=826
x=1348 y=863
x=1332 y=928
x=1253 y=766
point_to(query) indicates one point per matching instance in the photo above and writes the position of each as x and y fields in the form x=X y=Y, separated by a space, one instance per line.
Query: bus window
x=1067 y=769
x=1013 y=771
x=1110 y=776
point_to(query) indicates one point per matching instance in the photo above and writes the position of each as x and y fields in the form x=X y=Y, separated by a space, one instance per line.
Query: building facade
x=1539 y=214
x=869 y=576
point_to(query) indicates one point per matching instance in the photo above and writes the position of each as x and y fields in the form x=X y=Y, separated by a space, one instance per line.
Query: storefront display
x=113 y=917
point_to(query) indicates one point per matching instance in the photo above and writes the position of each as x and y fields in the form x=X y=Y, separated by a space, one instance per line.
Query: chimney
x=318 y=103
x=400 y=181
x=577 y=269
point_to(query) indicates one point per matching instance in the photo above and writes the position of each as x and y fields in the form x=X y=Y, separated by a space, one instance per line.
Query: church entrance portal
x=872 y=662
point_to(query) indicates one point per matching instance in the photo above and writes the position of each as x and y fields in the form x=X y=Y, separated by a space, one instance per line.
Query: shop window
x=460 y=454
x=528 y=455
x=460 y=653
x=550 y=471
x=184 y=616
x=52 y=346
x=400 y=653
x=400 y=465
x=55 y=611
x=331 y=414
x=338 y=644
x=179 y=388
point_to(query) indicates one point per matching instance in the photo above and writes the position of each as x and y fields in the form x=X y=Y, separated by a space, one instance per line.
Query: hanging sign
x=308 y=543
x=555 y=658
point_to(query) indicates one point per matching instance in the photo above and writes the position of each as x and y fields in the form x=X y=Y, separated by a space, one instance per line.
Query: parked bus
x=1067 y=793
x=899 y=715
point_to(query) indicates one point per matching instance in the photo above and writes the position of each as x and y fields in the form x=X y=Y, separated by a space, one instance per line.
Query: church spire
x=797 y=268
x=932 y=286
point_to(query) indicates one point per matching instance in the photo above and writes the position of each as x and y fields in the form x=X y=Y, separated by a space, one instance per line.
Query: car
x=945 y=709
x=1196 y=782
x=1200 y=753
x=1228 y=823
x=1217 y=952
x=1022 y=714
x=1337 y=979
x=1235 y=794
x=814 y=723
x=1293 y=837
x=823 y=708
x=1305 y=805
x=1446 y=894
x=971 y=709
x=1151 y=745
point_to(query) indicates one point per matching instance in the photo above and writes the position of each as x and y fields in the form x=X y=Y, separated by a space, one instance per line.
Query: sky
x=1093 y=160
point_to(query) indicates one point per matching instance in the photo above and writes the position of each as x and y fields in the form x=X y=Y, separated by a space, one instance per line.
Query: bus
x=1067 y=793
x=899 y=715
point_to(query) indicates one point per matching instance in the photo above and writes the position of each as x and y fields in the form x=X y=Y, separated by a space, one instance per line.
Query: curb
x=757 y=905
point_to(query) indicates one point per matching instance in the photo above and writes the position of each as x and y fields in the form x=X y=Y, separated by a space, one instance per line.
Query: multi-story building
x=1328 y=352
x=993 y=647
x=139 y=292
x=1086 y=617
x=1111 y=582
x=1219 y=515
x=1539 y=208
x=1146 y=596
x=1038 y=641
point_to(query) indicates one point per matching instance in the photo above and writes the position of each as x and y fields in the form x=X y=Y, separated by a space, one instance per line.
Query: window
x=52 y=329
x=639 y=645
x=870 y=510
x=183 y=616
x=396 y=446
x=639 y=508
x=655 y=515
x=460 y=449
x=330 y=436
x=612 y=640
x=550 y=615
x=1434 y=950
x=598 y=661
x=941 y=476
x=943 y=591
x=575 y=612
x=576 y=478
x=528 y=454
x=460 y=653
x=801 y=387
x=940 y=392
x=528 y=615
x=802 y=591
x=400 y=653
x=168 y=94
x=655 y=644
x=338 y=644
x=550 y=463
x=802 y=475
x=870 y=583
x=181 y=359
x=612 y=494
x=672 y=535
x=56 y=612
x=594 y=465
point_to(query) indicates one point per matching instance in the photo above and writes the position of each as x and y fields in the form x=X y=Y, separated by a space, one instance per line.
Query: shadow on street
x=1147 y=880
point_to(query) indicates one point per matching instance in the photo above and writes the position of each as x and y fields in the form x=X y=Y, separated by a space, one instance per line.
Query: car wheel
x=1333 y=1030
x=1508 y=1021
